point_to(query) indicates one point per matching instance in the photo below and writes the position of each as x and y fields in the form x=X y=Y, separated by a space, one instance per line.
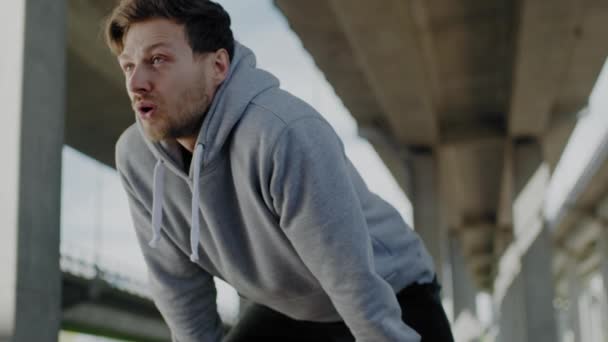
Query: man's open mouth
x=146 y=110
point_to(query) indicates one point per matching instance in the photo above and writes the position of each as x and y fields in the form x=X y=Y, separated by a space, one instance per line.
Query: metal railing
x=81 y=262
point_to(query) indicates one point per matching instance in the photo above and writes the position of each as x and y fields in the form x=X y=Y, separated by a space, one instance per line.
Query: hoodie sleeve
x=320 y=212
x=184 y=293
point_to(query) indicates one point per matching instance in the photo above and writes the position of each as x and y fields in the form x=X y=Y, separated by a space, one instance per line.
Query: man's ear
x=221 y=65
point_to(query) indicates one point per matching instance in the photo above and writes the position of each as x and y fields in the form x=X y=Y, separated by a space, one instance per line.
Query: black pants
x=420 y=305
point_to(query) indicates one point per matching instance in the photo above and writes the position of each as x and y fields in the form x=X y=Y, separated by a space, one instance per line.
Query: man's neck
x=187 y=143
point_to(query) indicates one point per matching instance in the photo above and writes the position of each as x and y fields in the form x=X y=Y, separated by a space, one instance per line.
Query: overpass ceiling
x=427 y=65
x=462 y=79
x=98 y=108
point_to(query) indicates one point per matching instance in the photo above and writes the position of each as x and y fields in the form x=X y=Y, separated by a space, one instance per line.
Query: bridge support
x=603 y=251
x=425 y=197
x=32 y=93
x=527 y=312
x=462 y=281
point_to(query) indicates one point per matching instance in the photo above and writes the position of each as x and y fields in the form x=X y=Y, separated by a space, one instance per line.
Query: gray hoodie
x=272 y=205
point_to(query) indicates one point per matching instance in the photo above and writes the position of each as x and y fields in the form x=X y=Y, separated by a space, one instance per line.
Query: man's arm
x=321 y=214
x=184 y=293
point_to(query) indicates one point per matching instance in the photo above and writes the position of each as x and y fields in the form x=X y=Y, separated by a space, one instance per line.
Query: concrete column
x=531 y=179
x=463 y=288
x=538 y=290
x=425 y=199
x=603 y=252
x=563 y=326
x=512 y=318
x=531 y=292
x=574 y=291
x=32 y=93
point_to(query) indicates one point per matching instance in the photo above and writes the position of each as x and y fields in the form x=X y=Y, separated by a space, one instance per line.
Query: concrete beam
x=400 y=84
x=588 y=55
x=544 y=45
x=328 y=45
x=472 y=133
x=32 y=91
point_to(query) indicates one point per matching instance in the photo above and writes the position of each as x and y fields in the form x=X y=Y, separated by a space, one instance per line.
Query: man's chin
x=154 y=135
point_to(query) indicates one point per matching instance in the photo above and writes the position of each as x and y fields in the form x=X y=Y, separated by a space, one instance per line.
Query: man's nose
x=139 y=81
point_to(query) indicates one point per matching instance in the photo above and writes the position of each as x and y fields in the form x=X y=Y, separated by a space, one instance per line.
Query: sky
x=96 y=226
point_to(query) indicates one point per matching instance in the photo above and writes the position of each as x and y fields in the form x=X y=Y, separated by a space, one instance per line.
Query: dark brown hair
x=206 y=23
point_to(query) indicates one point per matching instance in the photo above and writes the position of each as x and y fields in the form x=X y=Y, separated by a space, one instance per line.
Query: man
x=229 y=176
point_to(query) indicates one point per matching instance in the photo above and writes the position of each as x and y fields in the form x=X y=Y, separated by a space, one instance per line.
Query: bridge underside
x=466 y=82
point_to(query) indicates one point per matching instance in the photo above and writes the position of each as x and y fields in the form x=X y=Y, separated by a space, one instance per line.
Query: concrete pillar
x=563 y=326
x=538 y=290
x=425 y=199
x=527 y=312
x=574 y=291
x=32 y=93
x=531 y=179
x=603 y=252
x=512 y=319
x=463 y=288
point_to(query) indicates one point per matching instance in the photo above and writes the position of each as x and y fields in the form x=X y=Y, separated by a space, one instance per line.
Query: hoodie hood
x=243 y=83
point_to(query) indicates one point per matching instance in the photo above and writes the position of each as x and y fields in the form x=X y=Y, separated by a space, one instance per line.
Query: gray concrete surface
x=33 y=92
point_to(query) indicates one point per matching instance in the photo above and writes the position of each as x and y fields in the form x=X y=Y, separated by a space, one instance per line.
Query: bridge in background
x=111 y=300
x=107 y=302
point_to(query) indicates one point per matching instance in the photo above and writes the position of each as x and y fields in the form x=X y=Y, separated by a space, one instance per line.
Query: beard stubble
x=187 y=118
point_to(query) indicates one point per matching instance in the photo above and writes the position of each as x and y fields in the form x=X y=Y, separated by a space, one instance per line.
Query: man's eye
x=127 y=67
x=157 y=60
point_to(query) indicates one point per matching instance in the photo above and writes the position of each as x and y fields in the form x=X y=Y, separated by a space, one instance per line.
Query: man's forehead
x=133 y=49
x=148 y=35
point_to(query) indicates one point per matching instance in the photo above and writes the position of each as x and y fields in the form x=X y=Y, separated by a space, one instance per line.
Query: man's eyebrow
x=124 y=55
x=156 y=45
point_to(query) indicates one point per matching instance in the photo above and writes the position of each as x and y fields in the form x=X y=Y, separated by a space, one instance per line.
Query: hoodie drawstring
x=158 y=198
x=157 y=204
x=195 y=231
